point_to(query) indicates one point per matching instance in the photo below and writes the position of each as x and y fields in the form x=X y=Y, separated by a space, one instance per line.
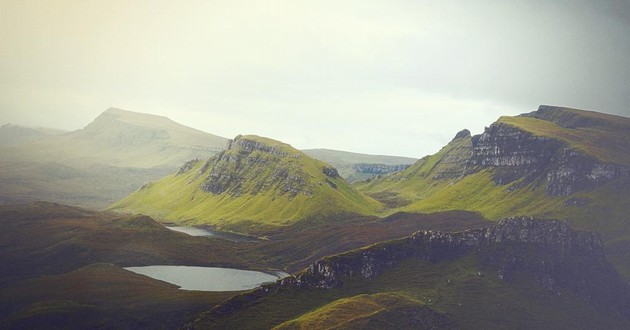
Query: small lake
x=208 y=278
x=194 y=231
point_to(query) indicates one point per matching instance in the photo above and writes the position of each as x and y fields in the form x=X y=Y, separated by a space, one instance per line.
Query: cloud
x=374 y=76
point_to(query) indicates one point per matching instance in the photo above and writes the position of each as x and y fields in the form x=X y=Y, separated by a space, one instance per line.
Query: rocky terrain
x=560 y=260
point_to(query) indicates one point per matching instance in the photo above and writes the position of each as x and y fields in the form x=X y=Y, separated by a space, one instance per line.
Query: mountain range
x=115 y=155
x=522 y=226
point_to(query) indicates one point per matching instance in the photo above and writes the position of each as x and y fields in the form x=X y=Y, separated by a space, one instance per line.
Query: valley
x=524 y=225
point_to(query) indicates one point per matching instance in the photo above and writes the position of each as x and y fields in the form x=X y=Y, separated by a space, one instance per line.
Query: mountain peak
x=257 y=184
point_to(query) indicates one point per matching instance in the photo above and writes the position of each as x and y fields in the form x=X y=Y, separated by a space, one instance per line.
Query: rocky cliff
x=557 y=257
x=516 y=153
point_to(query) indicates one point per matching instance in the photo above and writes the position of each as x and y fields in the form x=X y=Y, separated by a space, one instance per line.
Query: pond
x=195 y=231
x=208 y=278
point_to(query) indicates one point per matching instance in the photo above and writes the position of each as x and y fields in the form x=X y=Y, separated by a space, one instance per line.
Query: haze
x=380 y=77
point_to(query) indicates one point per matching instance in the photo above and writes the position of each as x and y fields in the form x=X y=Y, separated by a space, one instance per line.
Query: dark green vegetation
x=255 y=186
x=62 y=264
x=61 y=267
x=354 y=166
x=108 y=159
x=555 y=163
x=522 y=273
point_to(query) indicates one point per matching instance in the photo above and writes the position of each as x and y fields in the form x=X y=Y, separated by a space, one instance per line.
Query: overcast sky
x=381 y=77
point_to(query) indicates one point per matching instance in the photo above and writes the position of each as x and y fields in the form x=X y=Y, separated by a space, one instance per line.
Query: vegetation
x=432 y=184
x=260 y=189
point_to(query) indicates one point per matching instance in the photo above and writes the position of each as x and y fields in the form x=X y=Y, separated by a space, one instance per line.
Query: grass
x=257 y=200
x=452 y=287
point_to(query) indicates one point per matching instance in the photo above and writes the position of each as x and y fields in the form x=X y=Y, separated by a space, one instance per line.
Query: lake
x=195 y=231
x=208 y=278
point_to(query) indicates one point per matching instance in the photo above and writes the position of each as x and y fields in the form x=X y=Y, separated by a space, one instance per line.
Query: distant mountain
x=355 y=166
x=520 y=273
x=14 y=134
x=258 y=184
x=111 y=157
x=555 y=163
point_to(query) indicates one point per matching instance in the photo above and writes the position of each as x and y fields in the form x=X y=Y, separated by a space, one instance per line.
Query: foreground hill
x=256 y=185
x=521 y=273
x=555 y=162
x=101 y=163
x=355 y=166
x=62 y=269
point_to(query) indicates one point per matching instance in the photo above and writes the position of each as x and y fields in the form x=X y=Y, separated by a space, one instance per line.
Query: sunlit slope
x=257 y=184
x=554 y=163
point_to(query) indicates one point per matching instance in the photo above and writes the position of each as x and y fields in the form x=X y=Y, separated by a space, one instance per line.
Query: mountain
x=256 y=185
x=108 y=159
x=554 y=162
x=520 y=273
x=14 y=134
x=355 y=166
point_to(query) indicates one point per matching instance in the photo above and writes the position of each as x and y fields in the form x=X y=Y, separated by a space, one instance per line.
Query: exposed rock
x=187 y=166
x=330 y=171
x=378 y=169
x=556 y=256
x=516 y=154
x=462 y=134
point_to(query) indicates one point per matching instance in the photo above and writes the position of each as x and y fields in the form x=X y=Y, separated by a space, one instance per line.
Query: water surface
x=208 y=278
x=195 y=231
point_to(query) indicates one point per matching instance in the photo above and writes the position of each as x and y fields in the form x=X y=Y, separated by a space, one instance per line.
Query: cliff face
x=556 y=256
x=250 y=160
x=515 y=153
x=561 y=260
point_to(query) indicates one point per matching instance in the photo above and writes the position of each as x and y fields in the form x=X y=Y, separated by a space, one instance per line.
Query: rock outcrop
x=248 y=160
x=515 y=154
x=557 y=257
x=378 y=169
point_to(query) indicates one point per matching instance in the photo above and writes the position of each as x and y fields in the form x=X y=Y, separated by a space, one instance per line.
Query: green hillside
x=555 y=163
x=254 y=186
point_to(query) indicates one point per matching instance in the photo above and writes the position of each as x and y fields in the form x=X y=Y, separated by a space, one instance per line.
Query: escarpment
x=559 y=258
x=516 y=154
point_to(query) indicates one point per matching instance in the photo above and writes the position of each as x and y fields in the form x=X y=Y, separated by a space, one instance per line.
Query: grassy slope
x=451 y=287
x=415 y=189
x=100 y=295
x=179 y=198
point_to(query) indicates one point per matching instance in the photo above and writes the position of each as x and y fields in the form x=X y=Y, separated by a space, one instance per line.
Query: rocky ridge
x=557 y=257
x=517 y=154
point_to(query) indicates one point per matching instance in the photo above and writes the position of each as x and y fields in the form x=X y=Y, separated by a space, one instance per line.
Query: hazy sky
x=385 y=77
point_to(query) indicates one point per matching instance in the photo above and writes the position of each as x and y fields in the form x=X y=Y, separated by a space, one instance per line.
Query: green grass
x=258 y=201
x=607 y=143
x=452 y=287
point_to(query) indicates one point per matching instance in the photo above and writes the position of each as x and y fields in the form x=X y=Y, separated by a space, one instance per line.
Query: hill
x=555 y=162
x=14 y=134
x=256 y=185
x=101 y=163
x=520 y=273
x=355 y=166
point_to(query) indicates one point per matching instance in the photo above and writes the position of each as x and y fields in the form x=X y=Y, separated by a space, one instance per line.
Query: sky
x=394 y=77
